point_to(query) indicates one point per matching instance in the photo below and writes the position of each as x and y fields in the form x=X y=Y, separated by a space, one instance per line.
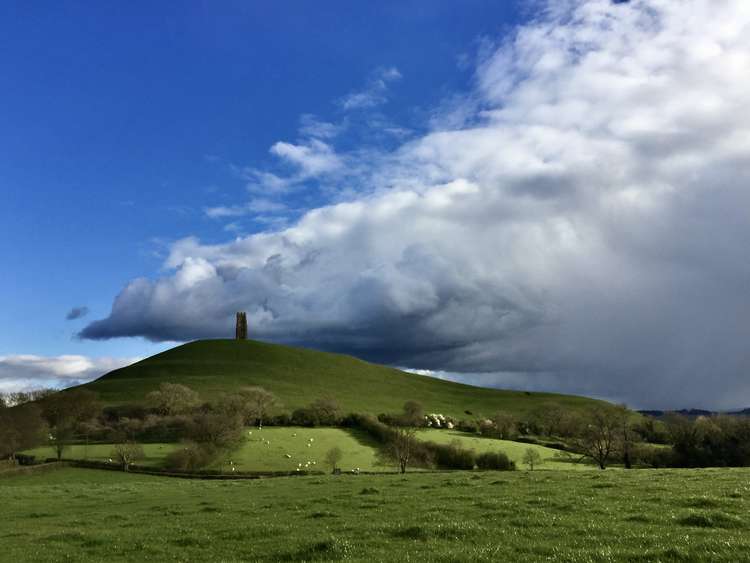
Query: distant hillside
x=298 y=376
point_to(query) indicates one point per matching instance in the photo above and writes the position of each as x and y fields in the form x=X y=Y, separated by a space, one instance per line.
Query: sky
x=532 y=195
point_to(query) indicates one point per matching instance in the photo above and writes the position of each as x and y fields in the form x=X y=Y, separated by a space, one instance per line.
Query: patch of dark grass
x=369 y=491
x=702 y=502
x=638 y=519
x=449 y=532
x=330 y=549
x=210 y=509
x=190 y=541
x=40 y=515
x=710 y=520
x=323 y=514
x=603 y=486
x=66 y=537
x=499 y=482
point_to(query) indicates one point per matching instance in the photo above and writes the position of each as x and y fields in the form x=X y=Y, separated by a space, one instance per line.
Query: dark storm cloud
x=587 y=232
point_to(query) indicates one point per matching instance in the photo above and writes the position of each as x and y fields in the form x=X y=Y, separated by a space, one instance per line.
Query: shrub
x=498 y=461
x=451 y=456
x=192 y=456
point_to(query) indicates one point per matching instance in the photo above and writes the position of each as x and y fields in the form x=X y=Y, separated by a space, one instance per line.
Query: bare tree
x=413 y=413
x=333 y=457
x=21 y=427
x=258 y=403
x=126 y=453
x=505 y=425
x=600 y=434
x=531 y=458
x=401 y=446
x=173 y=398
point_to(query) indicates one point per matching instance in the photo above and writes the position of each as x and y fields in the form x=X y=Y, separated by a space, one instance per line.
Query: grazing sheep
x=288 y=456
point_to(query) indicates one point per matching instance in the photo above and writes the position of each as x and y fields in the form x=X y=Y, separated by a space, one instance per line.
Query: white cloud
x=312 y=159
x=582 y=222
x=27 y=371
x=375 y=93
x=257 y=205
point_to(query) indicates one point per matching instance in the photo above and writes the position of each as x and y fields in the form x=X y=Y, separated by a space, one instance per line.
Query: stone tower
x=240 y=331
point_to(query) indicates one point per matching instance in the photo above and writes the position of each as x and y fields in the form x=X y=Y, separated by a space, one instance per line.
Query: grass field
x=639 y=515
x=267 y=450
x=514 y=450
x=155 y=453
x=298 y=376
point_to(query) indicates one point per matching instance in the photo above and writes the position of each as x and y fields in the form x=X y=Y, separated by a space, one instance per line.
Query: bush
x=498 y=461
x=451 y=456
x=470 y=426
x=192 y=456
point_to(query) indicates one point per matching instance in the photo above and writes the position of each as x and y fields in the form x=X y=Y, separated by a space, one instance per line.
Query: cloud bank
x=583 y=225
x=26 y=371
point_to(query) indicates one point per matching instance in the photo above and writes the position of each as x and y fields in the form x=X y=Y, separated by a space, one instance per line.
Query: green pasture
x=291 y=448
x=638 y=515
x=514 y=450
x=267 y=449
x=155 y=453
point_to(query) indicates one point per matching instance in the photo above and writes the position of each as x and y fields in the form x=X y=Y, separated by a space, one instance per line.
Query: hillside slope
x=298 y=376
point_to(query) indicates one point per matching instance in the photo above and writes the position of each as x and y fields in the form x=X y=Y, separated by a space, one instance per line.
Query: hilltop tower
x=240 y=331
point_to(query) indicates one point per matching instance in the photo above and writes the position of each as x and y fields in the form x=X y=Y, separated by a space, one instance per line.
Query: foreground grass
x=646 y=515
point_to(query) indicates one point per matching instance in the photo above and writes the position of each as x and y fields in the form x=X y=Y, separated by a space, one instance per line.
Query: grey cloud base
x=587 y=227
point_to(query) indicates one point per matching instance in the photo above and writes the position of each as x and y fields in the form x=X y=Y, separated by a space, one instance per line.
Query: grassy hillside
x=298 y=376
x=640 y=515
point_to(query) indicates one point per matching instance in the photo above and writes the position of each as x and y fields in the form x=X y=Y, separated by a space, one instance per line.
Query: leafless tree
x=531 y=457
x=126 y=453
x=401 y=446
x=259 y=403
x=173 y=398
x=601 y=434
x=333 y=457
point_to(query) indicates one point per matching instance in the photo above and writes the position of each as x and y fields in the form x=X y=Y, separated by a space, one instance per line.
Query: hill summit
x=298 y=376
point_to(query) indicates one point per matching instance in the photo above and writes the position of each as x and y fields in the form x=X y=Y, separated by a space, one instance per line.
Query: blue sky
x=121 y=123
x=545 y=195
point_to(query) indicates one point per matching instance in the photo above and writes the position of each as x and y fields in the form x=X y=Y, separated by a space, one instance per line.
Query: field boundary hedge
x=32 y=469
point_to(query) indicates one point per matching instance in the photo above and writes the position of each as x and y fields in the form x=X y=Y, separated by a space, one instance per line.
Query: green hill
x=298 y=376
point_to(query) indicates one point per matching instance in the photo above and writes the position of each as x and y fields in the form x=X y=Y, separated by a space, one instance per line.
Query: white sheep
x=288 y=456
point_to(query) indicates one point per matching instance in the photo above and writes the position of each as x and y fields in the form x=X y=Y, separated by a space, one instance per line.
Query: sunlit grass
x=639 y=515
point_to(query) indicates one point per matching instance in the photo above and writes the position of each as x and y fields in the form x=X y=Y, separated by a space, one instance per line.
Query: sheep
x=288 y=456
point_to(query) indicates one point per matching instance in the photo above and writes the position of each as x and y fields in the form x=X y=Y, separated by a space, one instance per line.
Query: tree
x=3 y=401
x=326 y=409
x=531 y=458
x=600 y=435
x=126 y=453
x=504 y=425
x=627 y=435
x=401 y=445
x=258 y=403
x=66 y=409
x=173 y=398
x=413 y=413
x=333 y=457
x=21 y=427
